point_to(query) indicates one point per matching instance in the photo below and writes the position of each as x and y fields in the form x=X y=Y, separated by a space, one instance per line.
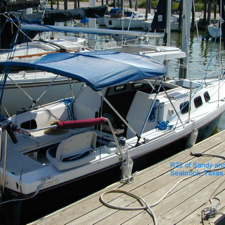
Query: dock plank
x=161 y=189
x=182 y=206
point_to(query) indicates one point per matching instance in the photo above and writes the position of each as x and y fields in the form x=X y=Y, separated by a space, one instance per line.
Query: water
x=203 y=55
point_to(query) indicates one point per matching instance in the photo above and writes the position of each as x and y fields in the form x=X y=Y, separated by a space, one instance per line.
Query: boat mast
x=185 y=37
x=168 y=30
x=168 y=24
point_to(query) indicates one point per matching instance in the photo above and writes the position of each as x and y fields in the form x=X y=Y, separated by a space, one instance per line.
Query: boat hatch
x=187 y=83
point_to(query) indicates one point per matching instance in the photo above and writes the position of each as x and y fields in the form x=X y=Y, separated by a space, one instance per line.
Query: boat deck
x=183 y=205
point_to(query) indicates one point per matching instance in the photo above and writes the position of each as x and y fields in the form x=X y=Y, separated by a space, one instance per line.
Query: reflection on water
x=203 y=55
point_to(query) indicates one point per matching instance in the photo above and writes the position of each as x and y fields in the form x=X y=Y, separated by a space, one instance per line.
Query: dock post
x=65 y=5
x=130 y=4
x=209 y=11
x=114 y=3
x=193 y=19
x=75 y=4
x=51 y=4
x=122 y=8
x=180 y=15
x=204 y=12
x=146 y=10
x=214 y=10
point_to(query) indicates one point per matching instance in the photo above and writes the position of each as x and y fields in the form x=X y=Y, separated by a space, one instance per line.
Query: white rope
x=141 y=200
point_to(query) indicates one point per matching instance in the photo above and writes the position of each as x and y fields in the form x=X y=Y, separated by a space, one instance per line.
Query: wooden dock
x=183 y=205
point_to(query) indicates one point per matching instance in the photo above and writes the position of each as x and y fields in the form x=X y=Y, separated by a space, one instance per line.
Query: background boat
x=132 y=21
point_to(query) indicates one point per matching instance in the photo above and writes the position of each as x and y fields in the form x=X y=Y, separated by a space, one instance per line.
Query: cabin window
x=31 y=124
x=138 y=86
x=206 y=96
x=198 y=101
x=184 y=107
x=120 y=88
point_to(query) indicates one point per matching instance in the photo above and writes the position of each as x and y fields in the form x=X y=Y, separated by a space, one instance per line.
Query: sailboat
x=125 y=108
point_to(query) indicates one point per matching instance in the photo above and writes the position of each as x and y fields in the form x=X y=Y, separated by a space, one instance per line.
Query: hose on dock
x=145 y=206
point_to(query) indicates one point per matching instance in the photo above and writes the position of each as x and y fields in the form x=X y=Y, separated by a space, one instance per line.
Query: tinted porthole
x=31 y=124
x=120 y=88
x=138 y=86
x=206 y=96
x=184 y=107
x=198 y=101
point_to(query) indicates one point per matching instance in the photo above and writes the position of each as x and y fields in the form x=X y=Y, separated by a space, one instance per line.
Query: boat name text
x=196 y=165
x=208 y=169
x=196 y=173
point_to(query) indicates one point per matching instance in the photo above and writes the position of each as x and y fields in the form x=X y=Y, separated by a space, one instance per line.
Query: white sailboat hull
x=123 y=23
x=108 y=155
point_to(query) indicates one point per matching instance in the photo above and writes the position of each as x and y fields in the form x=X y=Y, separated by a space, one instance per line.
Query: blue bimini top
x=98 y=69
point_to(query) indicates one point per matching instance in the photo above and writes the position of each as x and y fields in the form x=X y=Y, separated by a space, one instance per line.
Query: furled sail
x=15 y=6
x=159 y=20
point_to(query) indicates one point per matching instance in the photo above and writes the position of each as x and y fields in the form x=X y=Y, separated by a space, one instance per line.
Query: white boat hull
x=156 y=139
x=123 y=23
x=174 y=23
